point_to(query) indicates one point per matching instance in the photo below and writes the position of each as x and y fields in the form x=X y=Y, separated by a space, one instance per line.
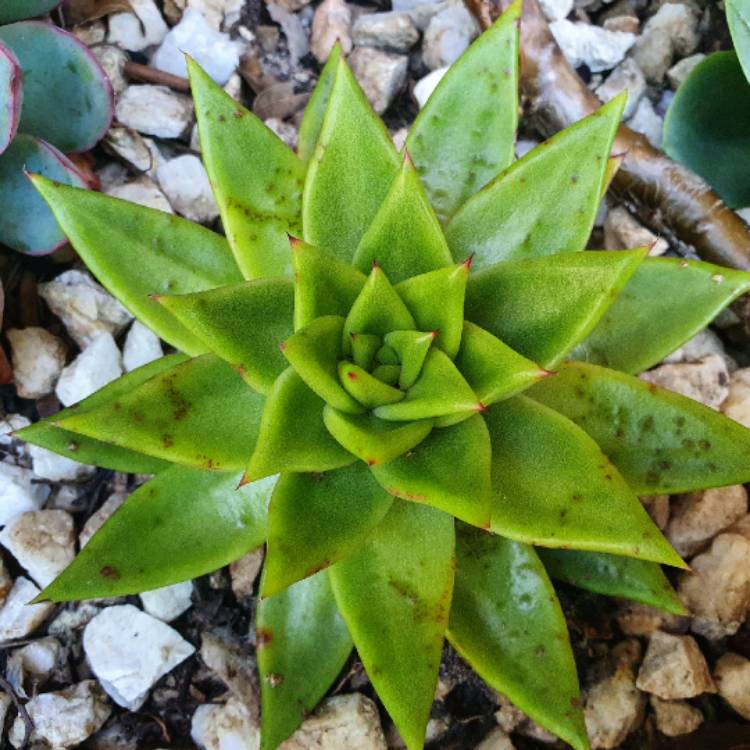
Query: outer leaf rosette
x=403 y=404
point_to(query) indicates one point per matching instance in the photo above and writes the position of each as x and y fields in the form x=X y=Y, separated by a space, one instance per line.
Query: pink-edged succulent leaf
x=182 y=524
x=18 y=10
x=315 y=520
x=457 y=155
x=350 y=172
x=664 y=303
x=67 y=97
x=546 y=202
x=292 y=435
x=11 y=96
x=395 y=597
x=507 y=623
x=613 y=575
x=544 y=307
x=199 y=414
x=26 y=223
x=243 y=324
x=302 y=644
x=137 y=252
x=449 y=470
x=260 y=194
x=554 y=487
x=88 y=450
x=405 y=237
x=659 y=441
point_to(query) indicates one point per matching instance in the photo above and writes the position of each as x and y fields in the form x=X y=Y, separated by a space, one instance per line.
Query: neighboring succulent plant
x=53 y=95
x=415 y=480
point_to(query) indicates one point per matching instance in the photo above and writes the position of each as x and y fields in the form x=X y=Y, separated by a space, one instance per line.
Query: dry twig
x=138 y=72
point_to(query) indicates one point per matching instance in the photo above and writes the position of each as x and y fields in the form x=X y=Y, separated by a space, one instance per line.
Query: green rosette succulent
x=403 y=376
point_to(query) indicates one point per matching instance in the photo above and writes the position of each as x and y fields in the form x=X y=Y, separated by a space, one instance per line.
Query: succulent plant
x=53 y=95
x=404 y=376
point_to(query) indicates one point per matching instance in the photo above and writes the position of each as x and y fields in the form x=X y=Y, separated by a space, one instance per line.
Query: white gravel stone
x=244 y=572
x=141 y=346
x=448 y=34
x=98 y=364
x=66 y=718
x=97 y=519
x=42 y=541
x=155 y=110
x=185 y=182
x=732 y=676
x=168 y=602
x=634 y=618
x=737 y=404
x=497 y=739
x=425 y=86
x=56 y=468
x=19 y=492
x=225 y=727
x=285 y=130
x=556 y=10
x=84 y=306
x=213 y=50
x=675 y=718
x=646 y=121
x=593 y=46
x=380 y=74
x=704 y=342
x=393 y=31
x=143 y=191
x=5 y=703
x=6 y=582
x=18 y=618
x=677 y=74
x=11 y=423
x=112 y=59
x=332 y=23
x=129 y=651
x=139 y=30
x=622 y=230
x=627 y=76
x=674 y=668
x=512 y=719
x=706 y=380
x=34 y=663
x=38 y=358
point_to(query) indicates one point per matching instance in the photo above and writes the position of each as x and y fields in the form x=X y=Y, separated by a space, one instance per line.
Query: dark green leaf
x=16 y=10
x=738 y=17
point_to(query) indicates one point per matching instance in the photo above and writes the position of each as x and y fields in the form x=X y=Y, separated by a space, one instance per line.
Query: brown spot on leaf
x=110 y=573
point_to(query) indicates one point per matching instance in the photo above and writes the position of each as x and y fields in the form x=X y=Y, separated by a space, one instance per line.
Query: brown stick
x=138 y=72
x=666 y=196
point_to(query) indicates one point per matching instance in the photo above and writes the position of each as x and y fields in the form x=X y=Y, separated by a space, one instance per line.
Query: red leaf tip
x=375 y=264
x=282 y=346
x=546 y=373
x=480 y=407
x=351 y=375
x=245 y=480
x=407 y=159
x=294 y=242
x=469 y=262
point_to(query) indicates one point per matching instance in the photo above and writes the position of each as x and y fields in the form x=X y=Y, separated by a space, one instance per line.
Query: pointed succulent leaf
x=665 y=302
x=436 y=300
x=314 y=352
x=259 y=195
x=199 y=413
x=350 y=172
x=405 y=237
x=449 y=470
x=411 y=347
x=312 y=119
x=365 y=388
x=388 y=373
x=136 y=252
x=11 y=96
x=302 y=644
x=493 y=370
x=395 y=597
x=613 y=167
x=292 y=436
x=440 y=390
x=243 y=324
x=375 y=441
x=555 y=488
x=659 y=441
x=456 y=156
x=89 y=451
x=17 y=10
x=377 y=310
x=38 y=233
x=182 y=524
x=323 y=284
x=544 y=307
x=387 y=355
x=315 y=520
x=507 y=623
x=364 y=348
x=544 y=203
x=613 y=575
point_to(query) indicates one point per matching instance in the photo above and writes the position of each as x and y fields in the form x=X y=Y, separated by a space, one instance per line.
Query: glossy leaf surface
x=544 y=203
x=243 y=324
x=395 y=598
x=182 y=524
x=507 y=623
x=544 y=307
x=456 y=156
x=17 y=10
x=315 y=520
x=136 y=252
x=660 y=442
x=665 y=302
x=202 y=397
x=302 y=644
x=738 y=18
x=11 y=96
x=555 y=488
x=612 y=575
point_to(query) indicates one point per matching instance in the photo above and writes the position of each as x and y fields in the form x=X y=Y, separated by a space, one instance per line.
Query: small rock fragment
x=244 y=571
x=704 y=342
x=706 y=380
x=19 y=492
x=392 y=32
x=626 y=22
x=677 y=74
x=593 y=46
x=97 y=519
x=675 y=718
x=657 y=506
x=56 y=468
x=33 y=664
x=556 y=10
x=38 y=358
x=185 y=182
x=646 y=121
x=98 y=364
x=674 y=668
x=225 y=727
x=637 y=619
x=129 y=651
x=155 y=110
x=448 y=34
x=291 y=25
x=224 y=655
x=332 y=23
x=139 y=30
x=512 y=719
x=112 y=59
x=285 y=130
x=168 y=602
x=497 y=739
x=425 y=86
x=141 y=346
x=380 y=74
x=18 y=618
x=732 y=676
x=143 y=191
x=627 y=76
x=623 y=230
x=6 y=582
x=737 y=404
